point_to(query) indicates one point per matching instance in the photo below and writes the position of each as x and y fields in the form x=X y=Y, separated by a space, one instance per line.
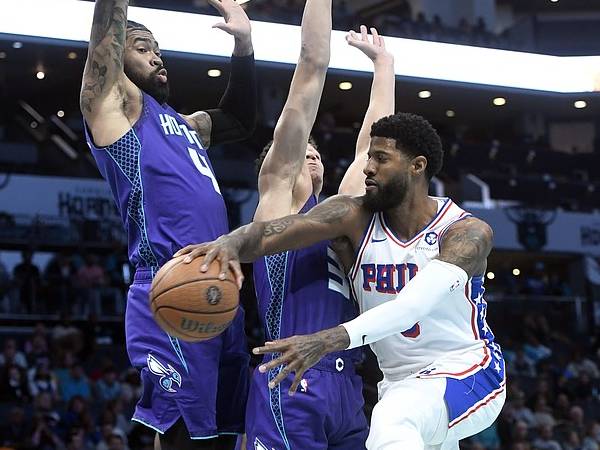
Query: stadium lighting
x=17 y=45
x=579 y=104
x=450 y=62
x=214 y=73
x=424 y=94
x=450 y=113
x=72 y=55
x=345 y=86
x=2 y=55
x=499 y=101
x=516 y=272
x=60 y=113
x=40 y=75
x=491 y=275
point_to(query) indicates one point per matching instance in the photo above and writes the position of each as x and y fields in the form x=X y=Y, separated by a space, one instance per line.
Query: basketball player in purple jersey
x=306 y=290
x=157 y=165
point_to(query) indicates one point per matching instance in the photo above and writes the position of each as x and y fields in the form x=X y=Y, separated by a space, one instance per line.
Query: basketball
x=193 y=305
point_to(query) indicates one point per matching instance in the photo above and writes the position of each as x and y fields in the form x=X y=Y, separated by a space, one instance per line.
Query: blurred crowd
x=64 y=389
x=398 y=19
x=72 y=284
x=553 y=386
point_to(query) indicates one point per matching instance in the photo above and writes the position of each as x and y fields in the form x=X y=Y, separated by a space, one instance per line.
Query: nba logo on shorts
x=431 y=238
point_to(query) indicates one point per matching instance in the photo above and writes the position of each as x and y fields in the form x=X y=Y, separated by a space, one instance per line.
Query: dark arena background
x=510 y=86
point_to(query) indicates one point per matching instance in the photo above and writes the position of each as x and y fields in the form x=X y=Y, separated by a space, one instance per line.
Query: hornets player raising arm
x=404 y=154
x=124 y=60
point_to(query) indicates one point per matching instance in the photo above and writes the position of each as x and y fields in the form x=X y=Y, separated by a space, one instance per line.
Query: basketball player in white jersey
x=418 y=277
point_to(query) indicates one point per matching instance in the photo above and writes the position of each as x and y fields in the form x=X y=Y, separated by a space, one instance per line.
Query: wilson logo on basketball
x=213 y=295
x=193 y=326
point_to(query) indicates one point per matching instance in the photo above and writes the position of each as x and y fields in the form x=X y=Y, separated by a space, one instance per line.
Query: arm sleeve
x=235 y=118
x=416 y=300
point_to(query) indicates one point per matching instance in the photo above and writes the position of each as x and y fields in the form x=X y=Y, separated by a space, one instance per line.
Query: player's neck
x=412 y=215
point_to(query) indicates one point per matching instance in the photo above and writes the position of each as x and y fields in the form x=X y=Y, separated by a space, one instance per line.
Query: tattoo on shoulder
x=467 y=244
x=202 y=125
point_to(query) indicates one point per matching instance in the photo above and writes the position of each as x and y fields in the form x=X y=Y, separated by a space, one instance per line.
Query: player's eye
x=142 y=50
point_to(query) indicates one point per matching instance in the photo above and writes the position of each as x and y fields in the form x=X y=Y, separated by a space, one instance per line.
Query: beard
x=387 y=195
x=150 y=85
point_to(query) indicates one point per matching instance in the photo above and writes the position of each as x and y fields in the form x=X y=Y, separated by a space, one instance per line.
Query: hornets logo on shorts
x=168 y=375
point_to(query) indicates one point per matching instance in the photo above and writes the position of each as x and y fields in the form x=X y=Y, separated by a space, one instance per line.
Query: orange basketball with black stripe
x=193 y=305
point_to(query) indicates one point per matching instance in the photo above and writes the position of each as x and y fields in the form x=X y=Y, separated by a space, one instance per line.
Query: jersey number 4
x=203 y=167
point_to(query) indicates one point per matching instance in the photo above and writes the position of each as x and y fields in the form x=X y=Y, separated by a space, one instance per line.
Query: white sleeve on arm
x=414 y=302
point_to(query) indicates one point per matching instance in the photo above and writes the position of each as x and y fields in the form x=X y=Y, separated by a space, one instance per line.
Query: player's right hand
x=374 y=49
x=223 y=250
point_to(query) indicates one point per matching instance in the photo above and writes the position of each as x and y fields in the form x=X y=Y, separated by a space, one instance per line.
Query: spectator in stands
x=77 y=416
x=76 y=440
x=90 y=279
x=76 y=383
x=45 y=432
x=520 y=432
x=576 y=420
x=26 y=277
x=36 y=350
x=11 y=355
x=66 y=337
x=545 y=440
x=521 y=411
x=115 y=409
x=117 y=440
x=535 y=350
x=521 y=365
x=13 y=385
x=43 y=404
x=579 y=364
x=543 y=413
x=573 y=441
x=488 y=439
x=108 y=387
x=4 y=287
x=59 y=276
x=591 y=441
x=15 y=432
x=131 y=388
x=41 y=379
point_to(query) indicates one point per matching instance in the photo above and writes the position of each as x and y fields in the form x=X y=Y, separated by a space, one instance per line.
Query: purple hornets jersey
x=164 y=185
x=168 y=197
x=302 y=291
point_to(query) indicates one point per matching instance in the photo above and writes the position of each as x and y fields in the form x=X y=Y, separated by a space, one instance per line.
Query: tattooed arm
x=464 y=249
x=467 y=244
x=104 y=89
x=335 y=217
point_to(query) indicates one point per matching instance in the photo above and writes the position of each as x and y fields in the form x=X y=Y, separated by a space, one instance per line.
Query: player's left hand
x=300 y=353
x=374 y=48
x=236 y=21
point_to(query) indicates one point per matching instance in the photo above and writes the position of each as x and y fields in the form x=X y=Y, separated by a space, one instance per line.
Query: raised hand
x=374 y=48
x=236 y=21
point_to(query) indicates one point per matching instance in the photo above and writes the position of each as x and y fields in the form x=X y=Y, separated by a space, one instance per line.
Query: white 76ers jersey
x=454 y=340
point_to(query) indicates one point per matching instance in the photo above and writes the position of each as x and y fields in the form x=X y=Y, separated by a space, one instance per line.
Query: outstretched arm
x=381 y=104
x=464 y=250
x=287 y=155
x=235 y=117
x=337 y=216
x=102 y=97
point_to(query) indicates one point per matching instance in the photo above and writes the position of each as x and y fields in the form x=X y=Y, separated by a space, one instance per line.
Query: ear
x=418 y=165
